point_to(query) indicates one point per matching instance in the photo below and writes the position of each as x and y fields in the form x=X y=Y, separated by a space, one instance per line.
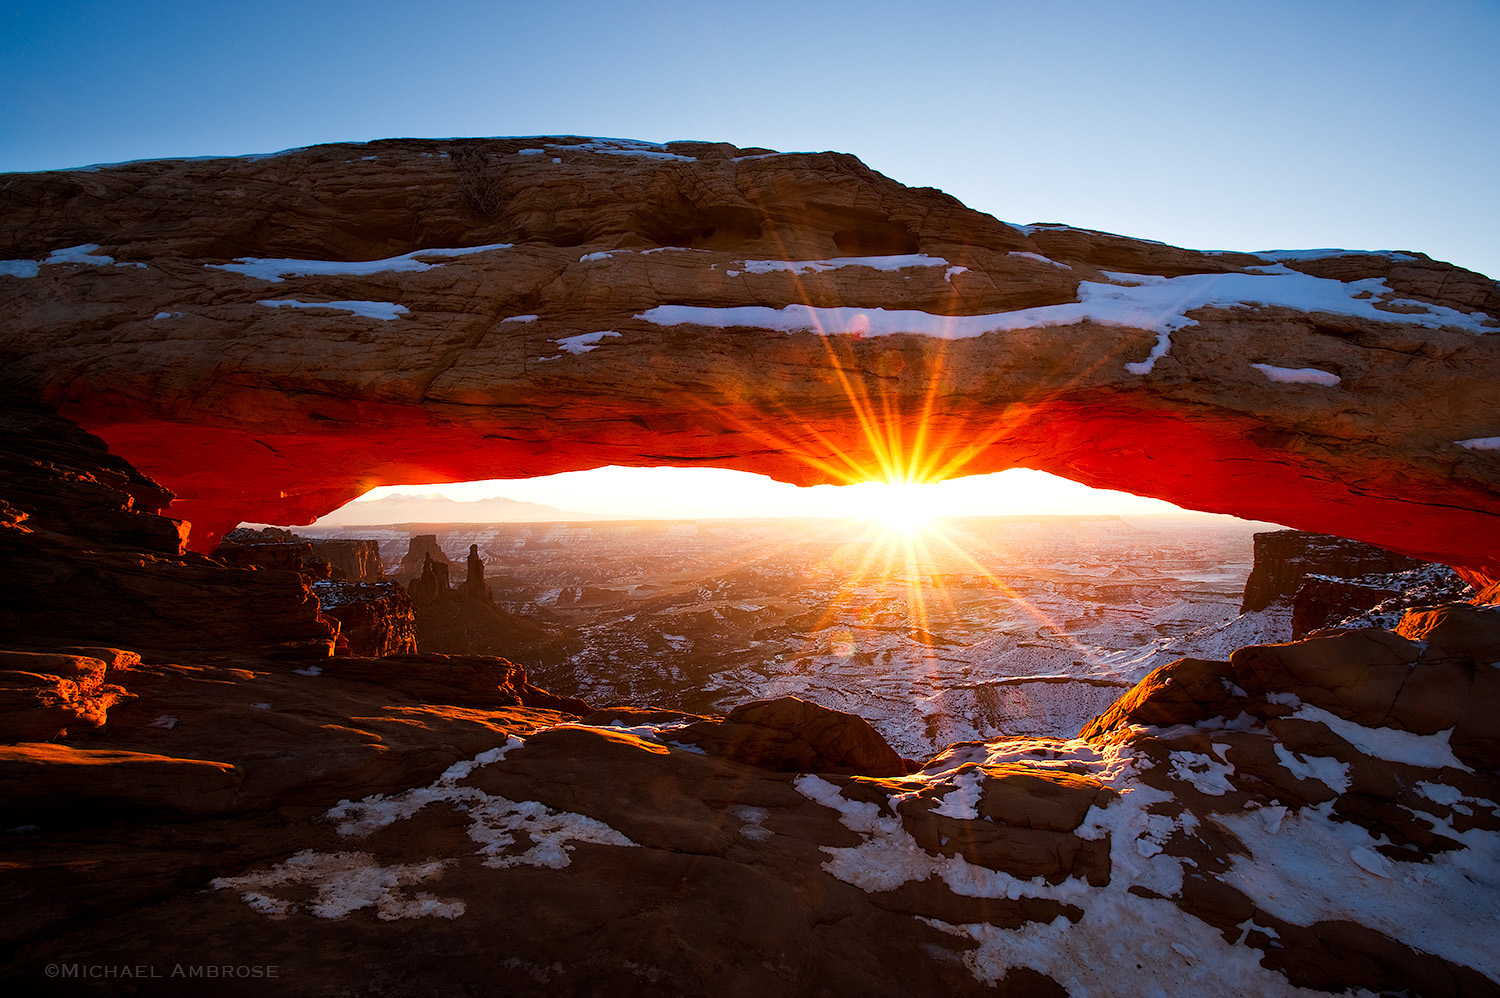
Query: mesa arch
x=269 y=337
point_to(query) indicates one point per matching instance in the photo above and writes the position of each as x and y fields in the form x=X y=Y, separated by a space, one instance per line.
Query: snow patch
x=382 y=310
x=1206 y=774
x=276 y=270
x=1297 y=875
x=494 y=820
x=345 y=882
x=885 y=263
x=1390 y=744
x=1480 y=443
x=1324 y=254
x=963 y=801
x=83 y=254
x=311 y=670
x=19 y=268
x=753 y=818
x=522 y=318
x=1298 y=375
x=1039 y=258
x=1330 y=772
x=1135 y=301
x=624 y=147
x=583 y=342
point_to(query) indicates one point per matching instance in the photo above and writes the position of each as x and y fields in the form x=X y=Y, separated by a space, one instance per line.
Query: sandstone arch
x=271 y=336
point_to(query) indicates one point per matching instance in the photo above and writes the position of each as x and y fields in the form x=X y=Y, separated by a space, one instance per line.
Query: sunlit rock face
x=271 y=336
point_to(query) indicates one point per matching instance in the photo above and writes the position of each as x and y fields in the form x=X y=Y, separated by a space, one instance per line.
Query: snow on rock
x=1211 y=814
x=1480 y=443
x=494 y=820
x=384 y=311
x=1297 y=375
x=583 y=342
x=277 y=271
x=344 y=882
x=1325 y=254
x=623 y=147
x=1390 y=744
x=885 y=263
x=1038 y=258
x=1159 y=304
x=83 y=254
x=1316 y=868
x=1124 y=942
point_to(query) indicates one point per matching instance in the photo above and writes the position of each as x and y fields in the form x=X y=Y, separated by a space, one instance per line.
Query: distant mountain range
x=440 y=509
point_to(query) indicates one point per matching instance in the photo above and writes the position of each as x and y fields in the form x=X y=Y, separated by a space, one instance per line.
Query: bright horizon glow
x=710 y=493
x=903 y=507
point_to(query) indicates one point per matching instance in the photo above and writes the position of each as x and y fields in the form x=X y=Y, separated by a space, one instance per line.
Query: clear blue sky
x=1210 y=124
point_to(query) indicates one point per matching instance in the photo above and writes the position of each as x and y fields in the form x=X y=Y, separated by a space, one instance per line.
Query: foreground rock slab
x=1231 y=828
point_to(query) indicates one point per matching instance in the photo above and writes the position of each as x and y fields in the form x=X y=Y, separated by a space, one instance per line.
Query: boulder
x=792 y=735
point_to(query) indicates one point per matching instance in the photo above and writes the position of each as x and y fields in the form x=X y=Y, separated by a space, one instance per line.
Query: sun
x=899 y=506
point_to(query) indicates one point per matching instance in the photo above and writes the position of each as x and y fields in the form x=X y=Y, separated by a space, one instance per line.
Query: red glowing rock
x=1351 y=394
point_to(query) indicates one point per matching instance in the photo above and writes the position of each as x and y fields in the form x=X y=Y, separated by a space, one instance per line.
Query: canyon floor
x=958 y=629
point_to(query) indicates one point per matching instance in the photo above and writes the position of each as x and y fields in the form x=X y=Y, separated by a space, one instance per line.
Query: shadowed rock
x=791 y=735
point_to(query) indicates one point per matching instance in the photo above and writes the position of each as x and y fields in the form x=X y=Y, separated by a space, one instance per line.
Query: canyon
x=198 y=775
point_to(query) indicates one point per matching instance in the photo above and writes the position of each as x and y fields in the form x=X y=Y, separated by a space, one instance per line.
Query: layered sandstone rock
x=271 y=336
x=89 y=558
x=277 y=550
x=351 y=559
x=375 y=618
x=1284 y=558
x=420 y=549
